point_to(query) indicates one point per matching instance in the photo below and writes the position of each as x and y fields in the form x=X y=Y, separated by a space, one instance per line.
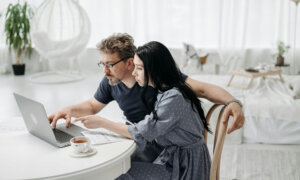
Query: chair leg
x=229 y=82
x=280 y=77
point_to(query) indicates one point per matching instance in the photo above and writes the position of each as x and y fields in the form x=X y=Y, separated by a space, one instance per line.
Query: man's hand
x=64 y=113
x=91 y=122
x=235 y=110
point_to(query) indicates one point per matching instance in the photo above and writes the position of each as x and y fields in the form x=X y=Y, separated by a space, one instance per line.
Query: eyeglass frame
x=102 y=65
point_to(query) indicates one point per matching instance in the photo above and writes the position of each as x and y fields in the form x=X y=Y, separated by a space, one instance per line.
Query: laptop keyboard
x=61 y=136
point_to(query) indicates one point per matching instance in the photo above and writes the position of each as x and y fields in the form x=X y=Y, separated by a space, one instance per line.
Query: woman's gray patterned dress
x=180 y=131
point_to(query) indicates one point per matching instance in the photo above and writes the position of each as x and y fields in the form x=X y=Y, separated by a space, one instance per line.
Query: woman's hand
x=91 y=121
x=94 y=122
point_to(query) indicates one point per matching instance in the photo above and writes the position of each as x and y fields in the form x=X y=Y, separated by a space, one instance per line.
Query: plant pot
x=280 y=61
x=19 y=69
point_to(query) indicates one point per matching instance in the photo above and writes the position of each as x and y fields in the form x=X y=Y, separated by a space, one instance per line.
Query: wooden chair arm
x=219 y=138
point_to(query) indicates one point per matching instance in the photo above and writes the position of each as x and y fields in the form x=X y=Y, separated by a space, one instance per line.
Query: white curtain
x=234 y=27
x=245 y=32
x=205 y=23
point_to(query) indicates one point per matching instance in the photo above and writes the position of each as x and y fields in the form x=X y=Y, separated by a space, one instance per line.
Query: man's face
x=138 y=71
x=114 y=72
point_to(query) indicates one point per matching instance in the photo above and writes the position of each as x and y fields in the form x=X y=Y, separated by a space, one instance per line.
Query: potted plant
x=281 y=49
x=17 y=31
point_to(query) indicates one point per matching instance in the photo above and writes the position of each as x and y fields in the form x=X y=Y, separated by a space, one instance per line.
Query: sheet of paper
x=103 y=136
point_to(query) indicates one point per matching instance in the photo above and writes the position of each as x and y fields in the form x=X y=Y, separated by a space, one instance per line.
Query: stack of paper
x=103 y=136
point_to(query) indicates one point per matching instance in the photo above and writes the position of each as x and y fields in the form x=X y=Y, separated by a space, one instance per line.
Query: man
x=117 y=52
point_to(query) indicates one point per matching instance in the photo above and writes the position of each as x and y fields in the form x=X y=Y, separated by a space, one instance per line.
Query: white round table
x=24 y=156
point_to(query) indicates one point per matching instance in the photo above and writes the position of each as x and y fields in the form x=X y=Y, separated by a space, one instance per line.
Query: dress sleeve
x=103 y=93
x=169 y=111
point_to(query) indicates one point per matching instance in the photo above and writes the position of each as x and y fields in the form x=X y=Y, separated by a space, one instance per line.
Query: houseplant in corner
x=281 y=49
x=17 y=31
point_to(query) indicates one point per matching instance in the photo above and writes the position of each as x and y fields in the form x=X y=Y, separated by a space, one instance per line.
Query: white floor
x=245 y=161
x=260 y=162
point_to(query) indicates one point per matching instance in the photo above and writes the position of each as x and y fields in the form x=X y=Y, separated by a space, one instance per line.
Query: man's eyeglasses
x=102 y=65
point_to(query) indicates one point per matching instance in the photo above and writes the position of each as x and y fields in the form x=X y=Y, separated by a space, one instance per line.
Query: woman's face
x=138 y=71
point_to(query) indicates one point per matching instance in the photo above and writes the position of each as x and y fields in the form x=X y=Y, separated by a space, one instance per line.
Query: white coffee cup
x=81 y=144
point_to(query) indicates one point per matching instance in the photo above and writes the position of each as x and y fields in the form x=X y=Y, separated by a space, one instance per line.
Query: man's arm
x=91 y=106
x=219 y=95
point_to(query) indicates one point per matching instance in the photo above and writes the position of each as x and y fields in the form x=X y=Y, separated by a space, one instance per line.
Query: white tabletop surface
x=24 y=156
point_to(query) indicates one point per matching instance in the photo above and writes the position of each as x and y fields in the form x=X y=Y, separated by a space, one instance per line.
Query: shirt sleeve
x=103 y=93
x=168 y=111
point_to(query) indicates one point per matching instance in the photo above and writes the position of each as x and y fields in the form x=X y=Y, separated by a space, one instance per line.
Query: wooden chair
x=219 y=137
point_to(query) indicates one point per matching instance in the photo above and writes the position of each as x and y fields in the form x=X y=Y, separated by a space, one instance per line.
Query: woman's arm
x=94 y=121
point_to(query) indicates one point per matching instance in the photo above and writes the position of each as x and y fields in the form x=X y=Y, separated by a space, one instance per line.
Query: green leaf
x=17 y=27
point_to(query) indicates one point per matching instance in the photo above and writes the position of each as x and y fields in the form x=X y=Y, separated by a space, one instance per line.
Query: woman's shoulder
x=174 y=92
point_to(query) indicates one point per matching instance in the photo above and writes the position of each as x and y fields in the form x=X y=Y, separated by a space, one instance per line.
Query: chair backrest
x=219 y=137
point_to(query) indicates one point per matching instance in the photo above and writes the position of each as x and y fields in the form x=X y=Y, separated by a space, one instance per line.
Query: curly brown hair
x=121 y=43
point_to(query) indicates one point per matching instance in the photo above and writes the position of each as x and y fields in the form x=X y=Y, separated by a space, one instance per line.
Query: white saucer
x=91 y=152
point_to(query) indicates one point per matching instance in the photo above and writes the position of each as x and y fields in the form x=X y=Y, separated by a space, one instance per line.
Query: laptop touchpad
x=73 y=130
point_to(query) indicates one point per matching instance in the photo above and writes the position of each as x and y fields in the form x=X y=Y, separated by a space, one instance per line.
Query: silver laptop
x=36 y=121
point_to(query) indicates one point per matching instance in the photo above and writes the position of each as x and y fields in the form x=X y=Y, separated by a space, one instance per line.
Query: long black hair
x=164 y=73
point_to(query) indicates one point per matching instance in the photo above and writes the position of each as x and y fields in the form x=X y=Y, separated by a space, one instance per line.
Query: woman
x=176 y=120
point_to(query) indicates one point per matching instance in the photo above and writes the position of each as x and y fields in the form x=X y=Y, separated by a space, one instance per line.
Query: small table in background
x=253 y=75
x=285 y=68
